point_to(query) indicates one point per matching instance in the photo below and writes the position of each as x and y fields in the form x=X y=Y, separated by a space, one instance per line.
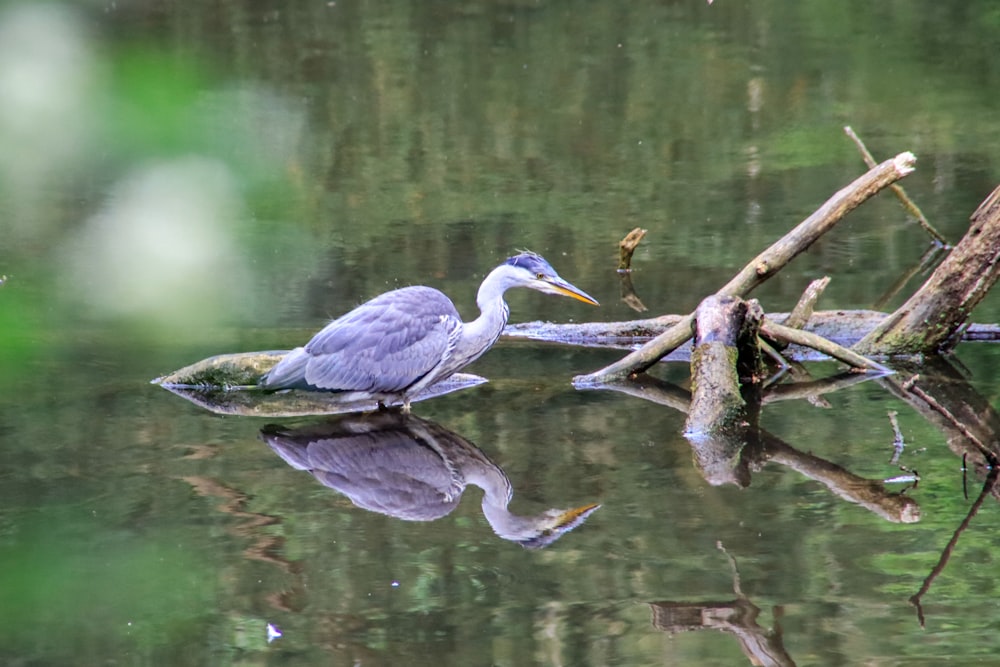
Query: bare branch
x=820 y=344
x=897 y=190
x=767 y=263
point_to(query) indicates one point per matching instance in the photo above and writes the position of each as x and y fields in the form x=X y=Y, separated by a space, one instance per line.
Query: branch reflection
x=415 y=470
x=730 y=458
x=737 y=617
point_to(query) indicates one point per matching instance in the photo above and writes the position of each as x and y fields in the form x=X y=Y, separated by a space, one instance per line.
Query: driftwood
x=764 y=265
x=226 y=384
x=933 y=320
x=727 y=328
x=724 y=403
x=843 y=327
x=929 y=321
x=627 y=247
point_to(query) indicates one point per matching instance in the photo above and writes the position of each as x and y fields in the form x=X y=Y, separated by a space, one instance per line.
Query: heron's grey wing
x=289 y=372
x=384 y=345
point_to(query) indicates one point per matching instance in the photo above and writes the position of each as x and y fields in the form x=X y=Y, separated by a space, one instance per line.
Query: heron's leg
x=406 y=406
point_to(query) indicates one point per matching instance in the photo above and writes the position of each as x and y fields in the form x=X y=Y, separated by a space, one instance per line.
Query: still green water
x=181 y=181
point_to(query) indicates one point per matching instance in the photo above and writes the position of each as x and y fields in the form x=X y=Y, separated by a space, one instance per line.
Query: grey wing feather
x=289 y=372
x=384 y=345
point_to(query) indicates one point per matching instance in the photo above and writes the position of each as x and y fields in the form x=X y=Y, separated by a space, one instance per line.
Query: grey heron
x=402 y=341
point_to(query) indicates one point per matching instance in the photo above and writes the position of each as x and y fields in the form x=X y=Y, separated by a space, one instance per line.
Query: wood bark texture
x=766 y=264
x=931 y=320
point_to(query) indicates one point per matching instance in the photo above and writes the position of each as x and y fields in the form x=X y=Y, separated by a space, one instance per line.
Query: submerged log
x=226 y=384
x=253 y=402
x=223 y=371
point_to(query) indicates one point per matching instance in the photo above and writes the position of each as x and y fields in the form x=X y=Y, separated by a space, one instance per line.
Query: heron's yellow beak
x=560 y=286
x=575 y=516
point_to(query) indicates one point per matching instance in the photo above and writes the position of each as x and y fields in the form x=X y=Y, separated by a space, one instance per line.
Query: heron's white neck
x=485 y=329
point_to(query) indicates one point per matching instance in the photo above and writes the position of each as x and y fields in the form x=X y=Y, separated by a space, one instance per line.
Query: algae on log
x=224 y=371
x=226 y=384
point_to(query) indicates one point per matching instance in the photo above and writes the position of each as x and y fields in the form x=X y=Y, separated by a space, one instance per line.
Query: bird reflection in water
x=412 y=469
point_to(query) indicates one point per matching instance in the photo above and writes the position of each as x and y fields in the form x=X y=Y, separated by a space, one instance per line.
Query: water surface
x=185 y=181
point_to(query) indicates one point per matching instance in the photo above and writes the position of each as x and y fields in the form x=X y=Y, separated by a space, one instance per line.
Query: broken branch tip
x=905 y=163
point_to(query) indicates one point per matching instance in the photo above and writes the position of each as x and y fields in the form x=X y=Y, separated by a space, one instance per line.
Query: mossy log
x=725 y=335
x=931 y=320
x=227 y=384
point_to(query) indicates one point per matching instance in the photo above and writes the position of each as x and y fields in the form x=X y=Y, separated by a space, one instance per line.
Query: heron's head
x=530 y=270
x=552 y=524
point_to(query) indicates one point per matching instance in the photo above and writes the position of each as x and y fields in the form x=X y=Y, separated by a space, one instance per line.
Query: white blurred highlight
x=47 y=76
x=162 y=249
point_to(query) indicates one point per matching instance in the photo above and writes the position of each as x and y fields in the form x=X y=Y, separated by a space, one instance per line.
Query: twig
x=820 y=344
x=765 y=264
x=897 y=190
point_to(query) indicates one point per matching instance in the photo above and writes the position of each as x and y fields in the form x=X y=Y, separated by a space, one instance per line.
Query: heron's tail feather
x=289 y=373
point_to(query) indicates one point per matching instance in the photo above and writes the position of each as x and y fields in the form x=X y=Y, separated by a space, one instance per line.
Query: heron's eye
x=540 y=276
